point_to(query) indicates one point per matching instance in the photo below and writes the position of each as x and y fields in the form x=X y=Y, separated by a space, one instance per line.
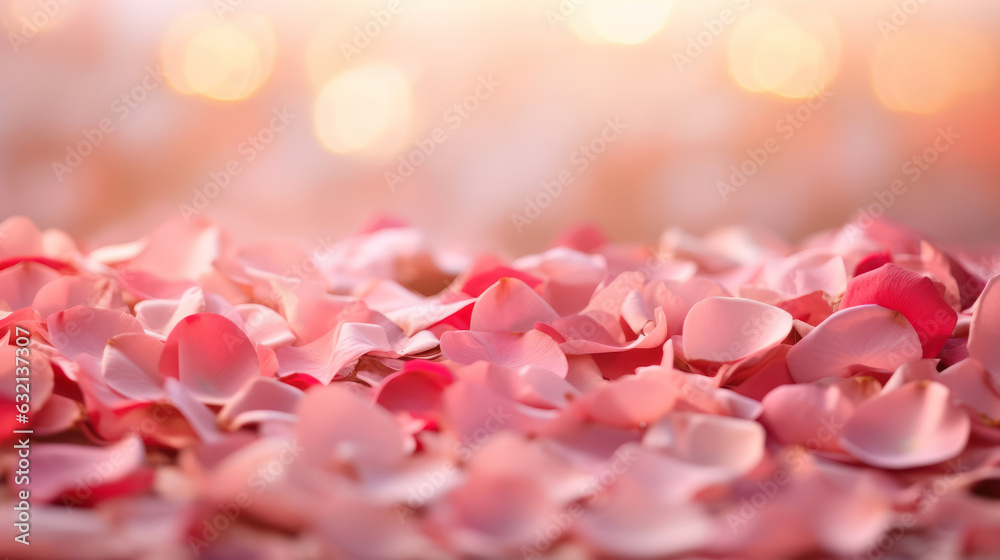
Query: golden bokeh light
x=366 y=109
x=224 y=60
x=625 y=22
x=769 y=51
x=923 y=71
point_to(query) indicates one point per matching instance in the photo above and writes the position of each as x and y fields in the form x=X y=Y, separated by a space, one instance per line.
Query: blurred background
x=500 y=122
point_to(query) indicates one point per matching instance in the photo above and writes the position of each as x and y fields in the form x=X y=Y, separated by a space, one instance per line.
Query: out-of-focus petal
x=914 y=426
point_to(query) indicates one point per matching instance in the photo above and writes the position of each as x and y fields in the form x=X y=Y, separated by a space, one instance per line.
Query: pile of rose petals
x=720 y=397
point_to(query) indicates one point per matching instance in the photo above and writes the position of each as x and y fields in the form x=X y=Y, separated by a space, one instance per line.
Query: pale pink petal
x=268 y=361
x=57 y=415
x=583 y=373
x=636 y=312
x=20 y=238
x=384 y=295
x=719 y=329
x=811 y=309
x=113 y=416
x=337 y=426
x=505 y=349
x=584 y=335
x=496 y=513
x=162 y=315
x=510 y=305
x=632 y=400
x=486 y=398
x=67 y=291
x=210 y=356
x=180 y=250
x=199 y=417
x=677 y=297
x=131 y=366
x=731 y=445
x=913 y=426
x=631 y=522
x=984 y=332
x=970 y=383
x=335 y=354
x=813 y=415
x=806 y=272
x=146 y=285
x=544 y=389
x=862 y=338
x=913 y=295
x=421 y=316
x=81 y=471
x=605 y=305
x=19 y=284
x=260 y=394
x=570 y=277
x=86 y=330
x=916 y=370
x=264 y=325
x=266 y=480
x=40 y=383
x=352 y=525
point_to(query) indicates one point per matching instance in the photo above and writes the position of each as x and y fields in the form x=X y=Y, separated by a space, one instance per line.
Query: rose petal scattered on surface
x=394 y=401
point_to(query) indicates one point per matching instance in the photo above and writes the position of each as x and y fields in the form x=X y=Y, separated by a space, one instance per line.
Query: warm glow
x=28 y=16
x=770 y=51
x=923 y=72
x=324 y=54
x=627 y=22
x=222 y=60
x=366 y=109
